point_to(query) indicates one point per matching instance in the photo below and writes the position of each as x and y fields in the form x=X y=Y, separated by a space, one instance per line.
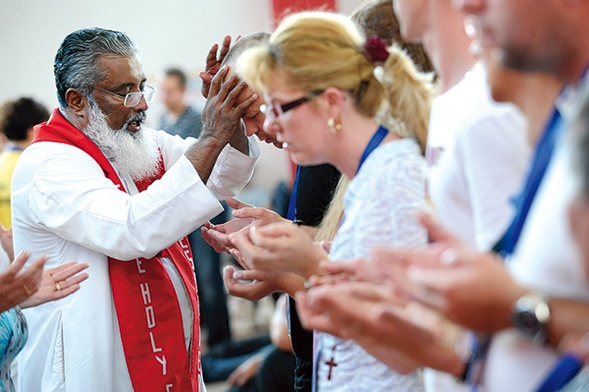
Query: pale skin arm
x=219 y=236
x=472 y=289
x=568 y=318
x=378 y=321
x=361 y=270
x=475 y=291
x=254 y=285
x=280 y=247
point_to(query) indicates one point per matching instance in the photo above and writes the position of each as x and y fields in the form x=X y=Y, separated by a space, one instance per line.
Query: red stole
x=148 y=312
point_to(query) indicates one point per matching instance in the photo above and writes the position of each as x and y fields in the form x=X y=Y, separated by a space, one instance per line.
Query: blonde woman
x=326 y=86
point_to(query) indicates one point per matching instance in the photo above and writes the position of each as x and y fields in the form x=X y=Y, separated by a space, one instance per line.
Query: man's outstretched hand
x=213 y=64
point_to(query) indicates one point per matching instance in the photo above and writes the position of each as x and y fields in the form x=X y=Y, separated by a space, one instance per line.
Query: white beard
x=133 y=155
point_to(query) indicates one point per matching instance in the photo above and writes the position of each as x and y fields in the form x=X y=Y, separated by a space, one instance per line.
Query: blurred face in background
x=527 y=35
x=172 y=93
x=412 y=16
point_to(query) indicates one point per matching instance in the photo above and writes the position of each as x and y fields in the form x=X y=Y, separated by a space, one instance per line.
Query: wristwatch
x=530 y=316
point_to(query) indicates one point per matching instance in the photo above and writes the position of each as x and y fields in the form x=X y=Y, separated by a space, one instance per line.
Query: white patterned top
x=381 y=206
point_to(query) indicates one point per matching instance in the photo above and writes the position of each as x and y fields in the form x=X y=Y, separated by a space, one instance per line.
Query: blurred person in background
x=17 y=119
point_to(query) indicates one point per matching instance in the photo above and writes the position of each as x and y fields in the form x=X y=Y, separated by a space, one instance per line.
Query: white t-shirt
x=477 y=155
x=381 y=205
x=545 y=259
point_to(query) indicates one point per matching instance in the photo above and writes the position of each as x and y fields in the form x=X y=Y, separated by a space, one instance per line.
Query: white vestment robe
x=65 y=207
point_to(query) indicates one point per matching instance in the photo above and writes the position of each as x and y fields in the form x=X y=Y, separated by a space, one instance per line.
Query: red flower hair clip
x=375 y=49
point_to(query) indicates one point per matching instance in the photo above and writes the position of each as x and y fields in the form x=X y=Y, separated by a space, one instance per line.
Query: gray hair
x=245 y=42
x=76 y=61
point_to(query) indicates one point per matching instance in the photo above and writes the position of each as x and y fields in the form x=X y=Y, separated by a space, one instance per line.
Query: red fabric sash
x=148 y=312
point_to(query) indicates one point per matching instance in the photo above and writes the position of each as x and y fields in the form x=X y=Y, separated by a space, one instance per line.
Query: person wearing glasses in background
x=98 y=186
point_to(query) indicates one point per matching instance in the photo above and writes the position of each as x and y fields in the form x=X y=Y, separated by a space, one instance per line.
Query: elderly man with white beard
x=98 y=186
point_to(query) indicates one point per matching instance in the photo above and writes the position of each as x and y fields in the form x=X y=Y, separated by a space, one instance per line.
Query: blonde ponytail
x=409 y=96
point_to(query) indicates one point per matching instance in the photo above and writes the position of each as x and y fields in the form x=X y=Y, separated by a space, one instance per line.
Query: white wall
x=168 y=32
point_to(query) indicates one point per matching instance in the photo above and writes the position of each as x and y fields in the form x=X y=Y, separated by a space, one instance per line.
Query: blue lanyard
x=542 y=157
x=567 y=367
x=523 y=202
x=374 y=142
x=376 y=139
x=291 y=214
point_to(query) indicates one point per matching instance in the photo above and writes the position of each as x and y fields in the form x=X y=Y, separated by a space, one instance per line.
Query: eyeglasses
x=275 y=110
x=132 y=99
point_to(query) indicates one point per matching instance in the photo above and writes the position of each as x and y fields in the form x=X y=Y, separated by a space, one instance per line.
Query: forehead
x=279 y=80
x=121 y=71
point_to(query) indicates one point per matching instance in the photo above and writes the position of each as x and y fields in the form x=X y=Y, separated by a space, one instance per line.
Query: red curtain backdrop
x=281 y=8
x=285 y=7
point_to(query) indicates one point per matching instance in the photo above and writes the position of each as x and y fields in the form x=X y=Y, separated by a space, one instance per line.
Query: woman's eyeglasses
x=275 y=110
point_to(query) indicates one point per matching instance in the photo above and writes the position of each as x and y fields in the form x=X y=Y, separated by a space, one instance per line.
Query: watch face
x=530 y=316
x=527 y=323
